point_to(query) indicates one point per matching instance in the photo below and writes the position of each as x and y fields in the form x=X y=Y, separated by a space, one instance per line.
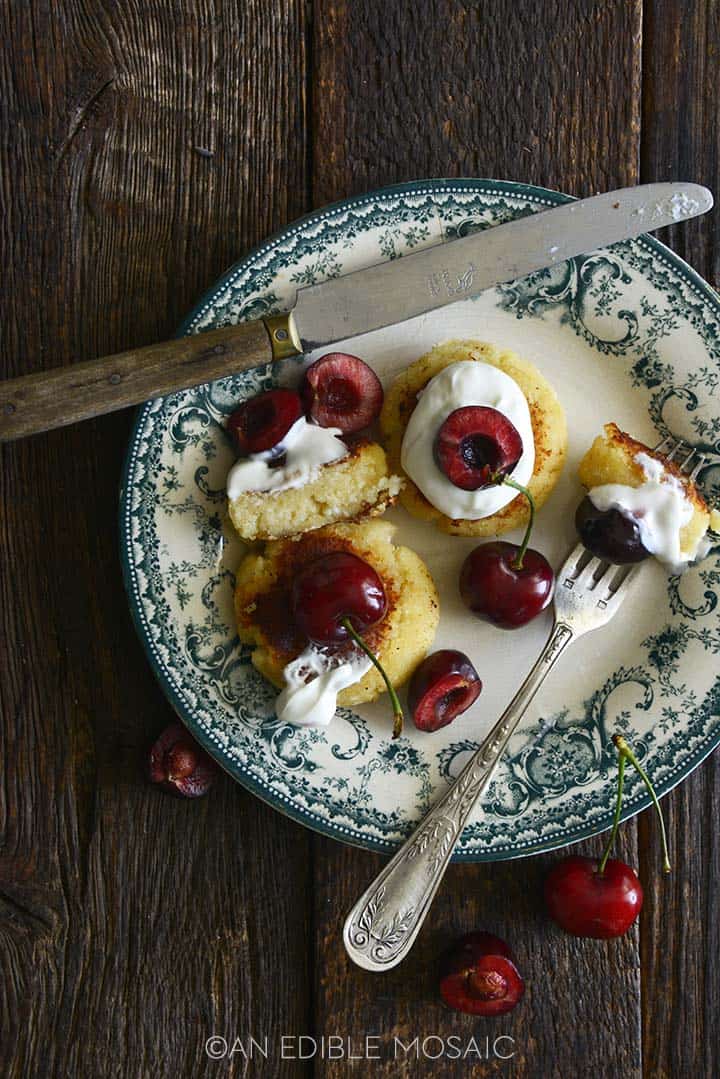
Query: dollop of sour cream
x=660 y=508
x=312 y=684
x=294 y=462
x=464 y=383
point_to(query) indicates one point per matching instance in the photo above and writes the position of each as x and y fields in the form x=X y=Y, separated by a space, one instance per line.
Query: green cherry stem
x=625 y=753
x=518 y=563
x=397 y=710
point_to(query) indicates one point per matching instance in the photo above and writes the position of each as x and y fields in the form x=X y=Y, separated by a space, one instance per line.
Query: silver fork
x=382 y=926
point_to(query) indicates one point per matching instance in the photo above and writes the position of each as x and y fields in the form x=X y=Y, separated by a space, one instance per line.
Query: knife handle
x=64 y=395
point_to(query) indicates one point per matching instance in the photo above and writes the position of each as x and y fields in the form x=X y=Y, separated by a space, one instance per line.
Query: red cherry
x=179 y=765
x=340 y=390
x=262 y=421
x=610 y=534
x=475 y=445
x=479 y=977
x=332 y=587
x=443 y=686
x=494 y=589
x=587 y=904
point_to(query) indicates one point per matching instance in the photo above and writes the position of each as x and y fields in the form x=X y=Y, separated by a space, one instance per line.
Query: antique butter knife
x=346 y=306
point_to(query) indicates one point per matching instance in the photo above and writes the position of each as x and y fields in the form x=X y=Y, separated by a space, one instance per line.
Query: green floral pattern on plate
x=633 y=307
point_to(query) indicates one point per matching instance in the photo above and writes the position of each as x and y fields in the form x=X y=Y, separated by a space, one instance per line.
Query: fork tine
x=616 y=588
x=683 y=465
x=589 y=577
x=570 y=567
x=699 y=464
x=664 y=445
x=674 y=452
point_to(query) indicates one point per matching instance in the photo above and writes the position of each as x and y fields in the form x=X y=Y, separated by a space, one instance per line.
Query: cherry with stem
x=397 y=709
x=601 y=899
x=625 y=753
x=335 y=598
x=504 y=583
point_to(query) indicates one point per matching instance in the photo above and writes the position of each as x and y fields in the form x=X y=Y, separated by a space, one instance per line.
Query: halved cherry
x=443 y=686
x=340 y=390
x=479 y=976
x=476 y=445
x=262 y=421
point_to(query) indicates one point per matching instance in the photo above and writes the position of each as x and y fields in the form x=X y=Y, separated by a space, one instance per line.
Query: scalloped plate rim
x=633 y=805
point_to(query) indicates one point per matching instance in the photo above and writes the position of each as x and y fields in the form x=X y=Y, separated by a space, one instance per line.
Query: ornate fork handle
x=382 y=926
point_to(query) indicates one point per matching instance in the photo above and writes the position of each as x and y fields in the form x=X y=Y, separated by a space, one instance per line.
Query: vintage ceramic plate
x=630 y=334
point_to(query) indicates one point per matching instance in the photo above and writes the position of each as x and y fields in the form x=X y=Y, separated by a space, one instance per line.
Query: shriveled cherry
x=443 y=686
x=261 y=422
x=479 y=976
x=179 y=765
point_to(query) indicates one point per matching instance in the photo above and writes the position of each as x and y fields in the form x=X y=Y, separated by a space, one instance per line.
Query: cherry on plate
x=587 y=903
x=443 y=686
x=340 y=390
x=496 y=590
x=476 y=445
x=333 y=587
x=179 y=765
x=261 y=422
x=610 y=534
x=479 y=976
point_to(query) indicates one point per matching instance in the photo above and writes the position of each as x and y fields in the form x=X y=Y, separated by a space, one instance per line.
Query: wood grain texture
x=546 y=94
x=143 y=147
x=132 y=926
x=680 y=937
x=498 y=90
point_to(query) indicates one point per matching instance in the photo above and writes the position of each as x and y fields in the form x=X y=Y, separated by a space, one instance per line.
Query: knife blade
x=444 y=273
x=345 y=307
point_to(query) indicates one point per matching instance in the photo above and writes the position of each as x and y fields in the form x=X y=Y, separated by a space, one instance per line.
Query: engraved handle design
x=382 y=926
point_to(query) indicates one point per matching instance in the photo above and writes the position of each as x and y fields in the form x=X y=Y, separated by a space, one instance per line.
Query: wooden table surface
x=145 y=145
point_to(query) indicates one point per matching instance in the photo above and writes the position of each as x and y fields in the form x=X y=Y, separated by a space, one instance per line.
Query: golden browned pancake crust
x=612 y=458
x=401 y=640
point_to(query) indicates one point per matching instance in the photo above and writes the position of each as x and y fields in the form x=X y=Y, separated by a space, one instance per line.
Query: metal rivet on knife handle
x=284 y=339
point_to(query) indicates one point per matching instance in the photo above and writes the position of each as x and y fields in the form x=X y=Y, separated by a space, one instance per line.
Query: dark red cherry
x=262 y=421
x=609 y=534
x=479 y=977
x=475 y=445
x=587 y=904
x=332 y=587
x=340 y=390
x=179 y=765
x=443 y=686
x=494 y=589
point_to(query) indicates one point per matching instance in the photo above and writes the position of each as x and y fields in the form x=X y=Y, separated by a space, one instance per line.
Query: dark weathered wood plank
x=550 y=97
x=132 y=926
x=679 y=928
x=582 y=1003
x=546 y=94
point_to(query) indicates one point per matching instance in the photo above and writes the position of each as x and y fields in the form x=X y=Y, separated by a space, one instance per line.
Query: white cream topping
x=312 y=684
x=306 y=448
x=660 y=508
x=464 y=383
